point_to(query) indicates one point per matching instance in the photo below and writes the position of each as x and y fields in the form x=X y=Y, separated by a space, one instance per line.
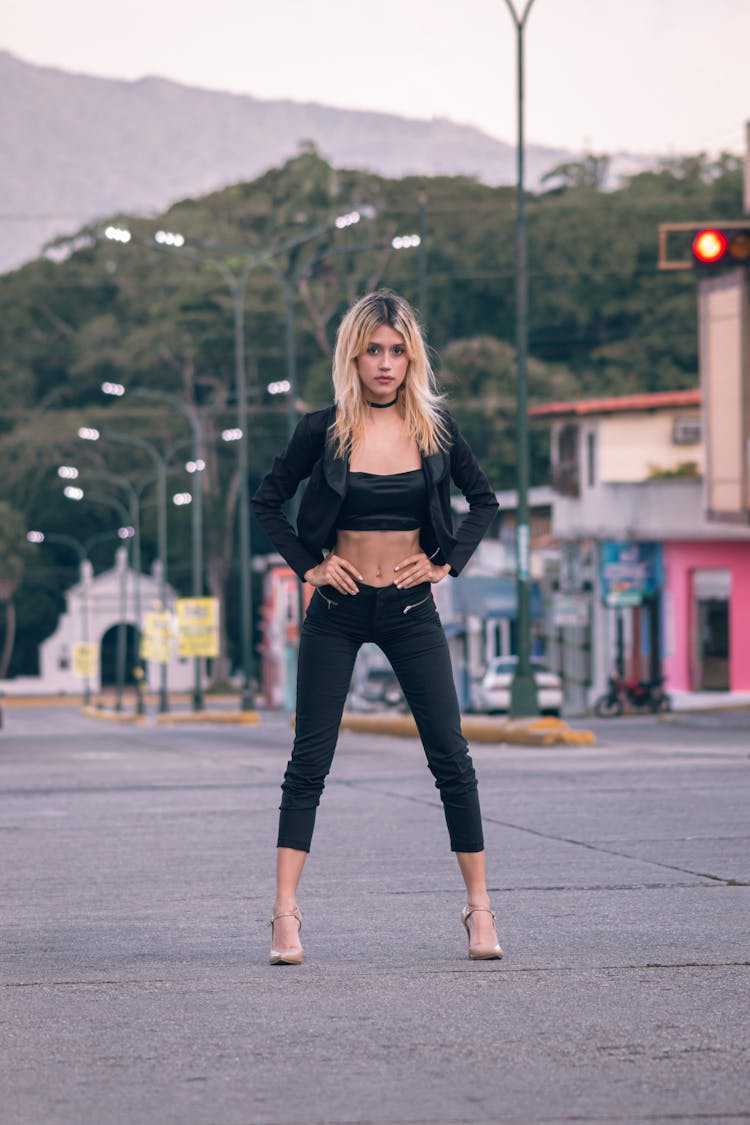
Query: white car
x=494 y=690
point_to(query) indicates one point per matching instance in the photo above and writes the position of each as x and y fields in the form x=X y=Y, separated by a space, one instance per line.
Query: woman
x=379 y=464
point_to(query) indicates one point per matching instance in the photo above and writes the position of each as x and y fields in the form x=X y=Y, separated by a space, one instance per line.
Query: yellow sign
x=157 y=637
x=198 y=626
x=85 y=659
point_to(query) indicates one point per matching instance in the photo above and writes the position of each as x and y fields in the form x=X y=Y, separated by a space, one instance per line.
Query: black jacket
x=310 y=454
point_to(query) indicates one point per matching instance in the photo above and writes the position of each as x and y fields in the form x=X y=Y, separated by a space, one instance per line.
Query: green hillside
x=602 y=320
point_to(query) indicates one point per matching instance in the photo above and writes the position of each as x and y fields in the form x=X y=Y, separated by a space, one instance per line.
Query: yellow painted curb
x=113 y=716
x=40 y=701
x=380 y=722
x=477 y=728
x=243 y=717
x=545 y=731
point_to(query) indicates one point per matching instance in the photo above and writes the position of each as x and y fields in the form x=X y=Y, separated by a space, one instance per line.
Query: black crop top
x=384 y=502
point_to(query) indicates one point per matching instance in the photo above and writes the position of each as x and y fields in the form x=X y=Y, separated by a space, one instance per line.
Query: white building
x=95 y=609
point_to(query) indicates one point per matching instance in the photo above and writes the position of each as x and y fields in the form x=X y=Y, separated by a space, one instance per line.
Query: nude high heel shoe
x=292 y=955
x=481 y=952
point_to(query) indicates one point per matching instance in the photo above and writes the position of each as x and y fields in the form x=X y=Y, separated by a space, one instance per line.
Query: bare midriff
x=375 y=553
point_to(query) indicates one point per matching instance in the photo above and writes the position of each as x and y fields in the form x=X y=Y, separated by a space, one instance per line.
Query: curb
x=113 y=716
x=520 y=732
x=41 y=701
x=227 y=717
x=238 y=717
x=676 y=716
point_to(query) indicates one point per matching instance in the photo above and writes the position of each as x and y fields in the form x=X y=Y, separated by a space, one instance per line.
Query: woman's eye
x=399 y=350
x=373 y=349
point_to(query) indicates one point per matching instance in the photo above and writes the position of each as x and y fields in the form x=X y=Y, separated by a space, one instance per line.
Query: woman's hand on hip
x=337 y=572
x=418 y=568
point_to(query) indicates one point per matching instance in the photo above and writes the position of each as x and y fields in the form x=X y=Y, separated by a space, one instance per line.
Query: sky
x=645 y=76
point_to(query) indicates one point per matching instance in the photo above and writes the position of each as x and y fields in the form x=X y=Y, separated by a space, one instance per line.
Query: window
x=686 y=431
x=565 y=477
x=591 y=459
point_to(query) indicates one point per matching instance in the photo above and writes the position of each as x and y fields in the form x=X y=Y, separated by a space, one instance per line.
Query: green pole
x=80 y=549
x=197 y=534
x=84 y=572
x=136 y=518
x=160 y=465
x=523 y=697
x=247 y=700
x=162 y=551
x=120 y=660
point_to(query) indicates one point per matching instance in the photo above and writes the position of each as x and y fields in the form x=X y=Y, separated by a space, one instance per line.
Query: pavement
x=137 y=868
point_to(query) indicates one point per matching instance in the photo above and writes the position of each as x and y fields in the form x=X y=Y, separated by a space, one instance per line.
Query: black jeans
x=406 y=626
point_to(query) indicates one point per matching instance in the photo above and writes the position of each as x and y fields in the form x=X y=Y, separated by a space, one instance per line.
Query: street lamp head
x=169 y=238
x=126 y=532
x=68 y=472
x=88 y=433
x=347 y=220
x=195 y=466
x=72 y=492
x=115 y=389
x=117 y=234
x=405 y=241
x=231 y=435
x=181 y=498
x=282 y=387
x=35 y=536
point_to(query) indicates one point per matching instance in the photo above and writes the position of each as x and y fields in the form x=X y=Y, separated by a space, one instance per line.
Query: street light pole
x=134 y=515
x=197 y=551
x=194 y=419
x=82 y=552
x=160 y=464
x=523 y=697
x=238 y=288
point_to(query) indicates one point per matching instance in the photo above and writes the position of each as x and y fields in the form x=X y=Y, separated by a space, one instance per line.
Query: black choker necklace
x=383 y=405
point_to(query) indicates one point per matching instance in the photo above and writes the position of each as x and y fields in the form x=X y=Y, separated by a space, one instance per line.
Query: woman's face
x=383 y=364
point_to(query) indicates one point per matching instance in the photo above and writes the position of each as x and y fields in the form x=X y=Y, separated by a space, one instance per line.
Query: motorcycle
x=641 y=695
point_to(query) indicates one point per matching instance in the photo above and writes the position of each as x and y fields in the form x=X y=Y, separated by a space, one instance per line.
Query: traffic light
x=721 y=247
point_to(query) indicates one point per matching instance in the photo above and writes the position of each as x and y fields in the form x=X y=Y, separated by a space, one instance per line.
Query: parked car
x=494 y=690
x=376 y=690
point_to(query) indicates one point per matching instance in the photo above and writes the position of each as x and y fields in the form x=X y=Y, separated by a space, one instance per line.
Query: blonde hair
x=418 y=394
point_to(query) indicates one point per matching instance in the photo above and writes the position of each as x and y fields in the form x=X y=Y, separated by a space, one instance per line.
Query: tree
x=590 y=173
x=14 y=552
x=479 y=375
x=602 y=320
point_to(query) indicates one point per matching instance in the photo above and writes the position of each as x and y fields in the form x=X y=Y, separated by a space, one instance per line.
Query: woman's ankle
x=282 y=904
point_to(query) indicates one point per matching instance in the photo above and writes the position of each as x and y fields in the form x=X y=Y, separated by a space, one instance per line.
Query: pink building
x=629 y=474
x=707 y=615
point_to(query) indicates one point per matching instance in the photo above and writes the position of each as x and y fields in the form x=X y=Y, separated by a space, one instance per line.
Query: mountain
x=76 y=147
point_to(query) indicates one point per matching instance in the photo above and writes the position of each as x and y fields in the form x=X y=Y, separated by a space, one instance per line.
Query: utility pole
x=523 y=698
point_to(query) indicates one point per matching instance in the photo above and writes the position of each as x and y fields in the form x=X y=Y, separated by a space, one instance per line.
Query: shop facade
x=707 y=615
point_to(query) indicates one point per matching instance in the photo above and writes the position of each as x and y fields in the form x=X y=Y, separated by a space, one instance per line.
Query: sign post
x=198 y=627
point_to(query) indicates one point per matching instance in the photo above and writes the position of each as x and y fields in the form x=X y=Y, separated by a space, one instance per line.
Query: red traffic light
x=725 y=246
x=710 y=246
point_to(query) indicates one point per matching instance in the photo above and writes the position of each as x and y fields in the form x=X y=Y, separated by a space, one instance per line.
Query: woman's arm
x=467 y=474
x=292 y=466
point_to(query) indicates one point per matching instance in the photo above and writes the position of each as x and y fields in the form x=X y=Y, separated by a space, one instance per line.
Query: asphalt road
x=136 y=882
